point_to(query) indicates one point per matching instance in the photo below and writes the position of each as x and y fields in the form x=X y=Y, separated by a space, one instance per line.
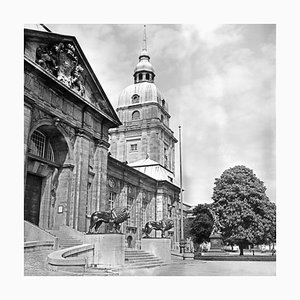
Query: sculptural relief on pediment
x=61 y=61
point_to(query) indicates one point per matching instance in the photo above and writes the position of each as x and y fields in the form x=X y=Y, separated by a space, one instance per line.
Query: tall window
x=129 y=202
x=136 y=115
x=40 y=146
x=132 y=210
x=111 y=200
x=169 y=211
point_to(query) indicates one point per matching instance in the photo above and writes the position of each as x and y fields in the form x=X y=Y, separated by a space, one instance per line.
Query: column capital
x=101 y=143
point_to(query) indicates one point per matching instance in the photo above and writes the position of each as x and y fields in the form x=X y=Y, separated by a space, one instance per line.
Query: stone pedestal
x=161 y=248
x=216 y=242
x=216 y=246
x=188 y=255
x=109 y=249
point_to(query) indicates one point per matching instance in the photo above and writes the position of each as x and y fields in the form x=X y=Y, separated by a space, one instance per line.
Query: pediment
x=61 y=57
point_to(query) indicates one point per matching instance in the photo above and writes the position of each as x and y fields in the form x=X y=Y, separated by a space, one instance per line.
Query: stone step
x=140 y=266
x=135 y=252
x=70 y=244
x=65 y=241
x=101 y=272
x=140 y=258
x=69 y=240
x=139 y=255
x=147 y=262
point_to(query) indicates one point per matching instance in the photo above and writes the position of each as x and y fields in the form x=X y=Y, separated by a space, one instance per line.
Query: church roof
x=154 y=170
x=146 y=91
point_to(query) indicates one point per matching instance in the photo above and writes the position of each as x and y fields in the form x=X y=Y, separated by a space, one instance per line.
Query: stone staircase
x=65 y=240
x=133 y=258
x=140 y=259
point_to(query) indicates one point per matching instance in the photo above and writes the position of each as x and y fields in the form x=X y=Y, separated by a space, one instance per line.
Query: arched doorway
x=129 y=241
x=47 y=152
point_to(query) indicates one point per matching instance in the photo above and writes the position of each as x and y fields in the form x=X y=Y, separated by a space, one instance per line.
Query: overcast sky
x=219 y=81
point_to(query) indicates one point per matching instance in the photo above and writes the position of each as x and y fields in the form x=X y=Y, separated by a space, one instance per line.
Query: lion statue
x=163 y=225
x=114 y=218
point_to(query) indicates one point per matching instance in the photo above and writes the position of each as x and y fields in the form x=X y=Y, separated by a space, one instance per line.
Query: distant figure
x=189 y=245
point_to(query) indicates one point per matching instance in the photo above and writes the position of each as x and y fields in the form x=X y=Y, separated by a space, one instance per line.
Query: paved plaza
x=35 y=264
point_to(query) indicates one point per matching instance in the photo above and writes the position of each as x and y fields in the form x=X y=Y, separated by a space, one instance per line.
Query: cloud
x=219 y=81
x=228 y=115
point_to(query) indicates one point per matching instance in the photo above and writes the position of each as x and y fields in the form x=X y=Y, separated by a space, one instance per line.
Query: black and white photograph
x=149 y=150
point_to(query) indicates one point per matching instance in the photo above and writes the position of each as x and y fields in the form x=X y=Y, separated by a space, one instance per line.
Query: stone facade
x=68 y=171
x=146 y=198
x=65 y=136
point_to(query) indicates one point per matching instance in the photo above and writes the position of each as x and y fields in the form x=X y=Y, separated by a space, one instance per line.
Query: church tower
x=143 y=111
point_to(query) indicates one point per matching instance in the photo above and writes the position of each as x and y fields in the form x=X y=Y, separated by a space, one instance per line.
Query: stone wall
x=76 y=127
x=147 y=199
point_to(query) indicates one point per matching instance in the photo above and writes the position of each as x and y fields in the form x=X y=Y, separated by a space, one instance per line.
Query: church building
x=81 y=156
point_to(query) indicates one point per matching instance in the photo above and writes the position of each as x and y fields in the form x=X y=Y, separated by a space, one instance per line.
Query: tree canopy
x=202 y=224
x=244 y=210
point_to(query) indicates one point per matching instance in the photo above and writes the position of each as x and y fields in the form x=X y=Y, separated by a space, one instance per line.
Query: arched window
x=40 y=146
x=136 y=115
x=162 y=118
x=163 y=103
x=135 y=99
x=140 y=76
x=147 y=76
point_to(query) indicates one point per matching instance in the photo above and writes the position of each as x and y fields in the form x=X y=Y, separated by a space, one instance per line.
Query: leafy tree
x=245 y=212
x=202 y=224
x=187 y=223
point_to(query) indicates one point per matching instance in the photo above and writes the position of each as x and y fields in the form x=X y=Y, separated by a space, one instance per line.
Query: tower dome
x=143 y=90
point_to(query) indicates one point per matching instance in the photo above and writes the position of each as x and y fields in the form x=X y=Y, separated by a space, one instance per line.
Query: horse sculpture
x=163 y=226
x=114 y=218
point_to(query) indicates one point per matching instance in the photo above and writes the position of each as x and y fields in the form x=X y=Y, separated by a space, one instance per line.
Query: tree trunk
x=241 y=250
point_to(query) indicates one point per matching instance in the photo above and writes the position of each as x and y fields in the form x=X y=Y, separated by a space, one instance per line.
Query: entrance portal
x=32 y=199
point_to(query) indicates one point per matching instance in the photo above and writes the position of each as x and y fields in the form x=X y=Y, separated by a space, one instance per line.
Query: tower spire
x=144 y=72
x=145 y=39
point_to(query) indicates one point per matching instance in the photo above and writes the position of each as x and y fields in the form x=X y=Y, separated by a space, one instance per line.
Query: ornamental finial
x=145 y=39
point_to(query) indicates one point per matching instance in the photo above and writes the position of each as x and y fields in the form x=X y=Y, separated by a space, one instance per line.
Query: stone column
x=63 y=201
x=80 y=180
x=123 y=202
x=159 y=209
x=27 y=122
x=102 y=200
x=96 y=191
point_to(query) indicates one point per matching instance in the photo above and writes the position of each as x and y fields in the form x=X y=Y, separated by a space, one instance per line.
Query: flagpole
x=181 y=197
